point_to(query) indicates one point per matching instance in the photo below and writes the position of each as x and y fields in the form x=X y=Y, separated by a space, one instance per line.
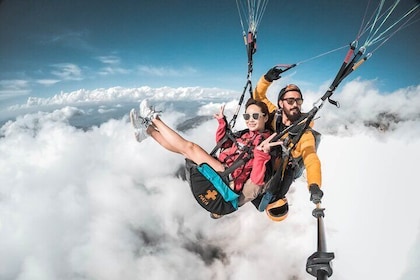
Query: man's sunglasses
x=292 y=100
x=255 y=116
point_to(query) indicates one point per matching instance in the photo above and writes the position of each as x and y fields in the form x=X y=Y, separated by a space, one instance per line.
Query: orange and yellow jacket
x=305 y=148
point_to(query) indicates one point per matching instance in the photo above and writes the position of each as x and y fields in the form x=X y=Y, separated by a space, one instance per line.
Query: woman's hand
x=265 y=145
x=220 y=115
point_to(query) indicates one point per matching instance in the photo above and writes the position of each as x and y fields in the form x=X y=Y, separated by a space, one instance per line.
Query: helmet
x=277 y=210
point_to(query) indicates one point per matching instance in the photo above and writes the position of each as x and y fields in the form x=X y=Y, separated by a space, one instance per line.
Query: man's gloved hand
x=273 y=74
x=316 y=193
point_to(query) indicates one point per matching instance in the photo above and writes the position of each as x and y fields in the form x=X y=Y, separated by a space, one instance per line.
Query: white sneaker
x=140 y=125
x=147 y=112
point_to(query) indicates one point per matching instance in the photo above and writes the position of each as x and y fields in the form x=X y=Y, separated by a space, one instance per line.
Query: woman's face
x=255 y=119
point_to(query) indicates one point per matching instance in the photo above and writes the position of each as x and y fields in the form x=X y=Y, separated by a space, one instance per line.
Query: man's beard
x=293 y=117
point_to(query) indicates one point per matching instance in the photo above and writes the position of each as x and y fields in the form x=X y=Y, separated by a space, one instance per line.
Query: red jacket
x=255 y=168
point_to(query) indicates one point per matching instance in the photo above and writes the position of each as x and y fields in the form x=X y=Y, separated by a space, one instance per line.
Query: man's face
x=290 y=106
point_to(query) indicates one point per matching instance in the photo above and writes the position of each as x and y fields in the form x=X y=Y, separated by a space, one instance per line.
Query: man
x=287 y=111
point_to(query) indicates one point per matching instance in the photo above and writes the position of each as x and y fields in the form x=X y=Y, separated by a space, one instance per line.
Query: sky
x=89 y=202
x=50 y=47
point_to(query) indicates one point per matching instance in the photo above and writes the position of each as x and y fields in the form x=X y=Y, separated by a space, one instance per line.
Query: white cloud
x=14 y=84
x=104 y=71
x=130 y=94
x=13 y=88
x=95 y=204
x=112 y=67
x=110 y=59
x=72 y=39
x=166 y=71
x=67 y=71
x=47 y=82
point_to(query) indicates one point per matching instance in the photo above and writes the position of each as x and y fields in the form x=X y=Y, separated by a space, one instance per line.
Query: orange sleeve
x=306 y=148
x=260 y=93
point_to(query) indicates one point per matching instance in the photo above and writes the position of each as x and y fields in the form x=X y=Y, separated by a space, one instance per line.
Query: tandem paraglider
x=259 y=164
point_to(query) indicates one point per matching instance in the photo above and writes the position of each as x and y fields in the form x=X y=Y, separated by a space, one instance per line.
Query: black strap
x=229 y=135
x=240 y=161
x=246 y=154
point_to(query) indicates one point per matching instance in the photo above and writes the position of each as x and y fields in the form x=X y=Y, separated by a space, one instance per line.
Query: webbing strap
x=237 y=163
x=229 y=135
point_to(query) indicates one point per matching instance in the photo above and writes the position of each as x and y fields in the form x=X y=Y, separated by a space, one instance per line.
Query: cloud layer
x=95 y=204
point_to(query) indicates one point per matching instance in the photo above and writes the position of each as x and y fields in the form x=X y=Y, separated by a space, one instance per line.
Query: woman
x=253 y=143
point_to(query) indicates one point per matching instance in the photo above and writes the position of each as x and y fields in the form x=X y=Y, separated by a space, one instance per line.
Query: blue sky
x=48 y=46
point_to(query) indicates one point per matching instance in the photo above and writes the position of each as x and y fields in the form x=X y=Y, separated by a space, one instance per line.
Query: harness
x=245 y=152
x=290 y=141
x=212 y=189
x=285 y=167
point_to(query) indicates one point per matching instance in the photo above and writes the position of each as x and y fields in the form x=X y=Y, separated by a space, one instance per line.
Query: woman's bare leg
x=172 y=141
x=155 y=134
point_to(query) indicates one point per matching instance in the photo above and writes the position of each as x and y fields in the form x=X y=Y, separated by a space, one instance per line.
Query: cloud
x=110 y=59
x=111 y=70
x=72 y=39
x=14 y=84
x=166 y=71
x=47 y=82
x=118 y=94
x=67 y=71
x=112 y=67
x=95 y=204
x=13 y=88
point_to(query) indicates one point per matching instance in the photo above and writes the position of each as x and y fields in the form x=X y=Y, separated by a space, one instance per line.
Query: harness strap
x=229 y=135
x=245 y=155
x=220 y=144
x=240 y=161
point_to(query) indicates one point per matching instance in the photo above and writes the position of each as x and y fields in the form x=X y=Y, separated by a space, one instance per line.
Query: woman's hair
x=264 y=110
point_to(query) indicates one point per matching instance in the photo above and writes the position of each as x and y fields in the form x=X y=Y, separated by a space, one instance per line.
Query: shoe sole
x=132 y=118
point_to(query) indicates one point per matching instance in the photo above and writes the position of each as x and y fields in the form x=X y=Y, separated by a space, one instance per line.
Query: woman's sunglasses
x=255 y=116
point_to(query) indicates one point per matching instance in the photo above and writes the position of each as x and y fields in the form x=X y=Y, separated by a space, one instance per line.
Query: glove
x=316 y=193
x=273 y=74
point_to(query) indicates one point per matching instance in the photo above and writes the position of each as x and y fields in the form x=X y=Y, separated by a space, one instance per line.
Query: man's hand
x=316 y=193
x=273 y=74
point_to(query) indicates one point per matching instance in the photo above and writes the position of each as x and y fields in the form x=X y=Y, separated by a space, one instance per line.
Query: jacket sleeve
x=221 y=129
x=258 y=167
x=260 y=93
x=306 y=147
